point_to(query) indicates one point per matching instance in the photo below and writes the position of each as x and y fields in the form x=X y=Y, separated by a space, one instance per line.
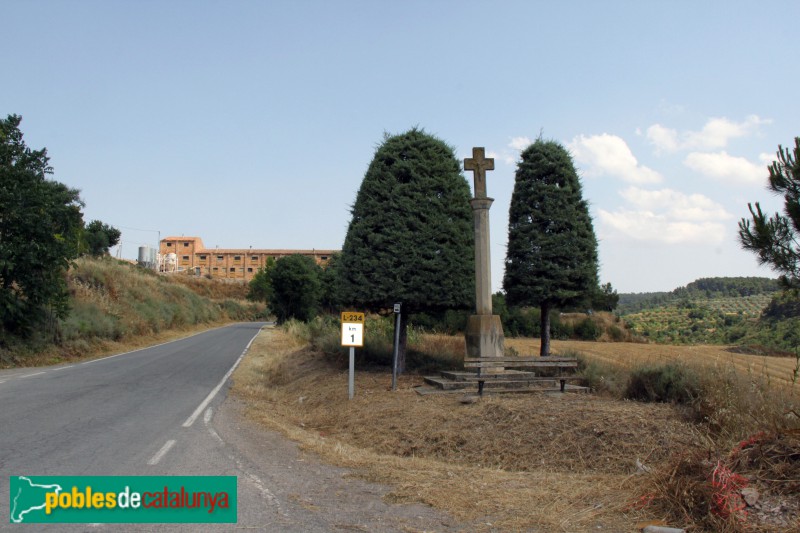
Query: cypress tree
x=410 y=238
x=551 y=261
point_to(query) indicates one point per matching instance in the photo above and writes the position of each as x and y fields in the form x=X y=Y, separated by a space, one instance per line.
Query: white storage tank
x=147 y=257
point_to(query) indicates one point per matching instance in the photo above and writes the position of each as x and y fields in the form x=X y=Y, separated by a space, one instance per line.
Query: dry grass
x=213 y=289
x=560 y=463
x=100 y=348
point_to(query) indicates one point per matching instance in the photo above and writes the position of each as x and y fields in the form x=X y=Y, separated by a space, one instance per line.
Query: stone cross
x=484 y=334
x=478 y=164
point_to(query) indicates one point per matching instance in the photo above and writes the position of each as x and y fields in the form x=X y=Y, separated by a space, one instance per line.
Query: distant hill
x=701 y=289
x=750 y=312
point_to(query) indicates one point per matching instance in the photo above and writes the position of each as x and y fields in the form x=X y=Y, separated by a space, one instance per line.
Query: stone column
x=484 y=335
x=483 y=264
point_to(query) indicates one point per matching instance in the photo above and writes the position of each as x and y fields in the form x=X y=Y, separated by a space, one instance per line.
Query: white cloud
x=766 y=159
x=519 y=143
x=665 y=216
x=675 y=204
x=727 y=168
x=715 y=134
x=609 y=155
x=647 y=226
x=664 y=139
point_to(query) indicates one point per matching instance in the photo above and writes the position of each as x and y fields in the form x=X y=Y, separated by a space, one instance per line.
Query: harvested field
x=631 y=355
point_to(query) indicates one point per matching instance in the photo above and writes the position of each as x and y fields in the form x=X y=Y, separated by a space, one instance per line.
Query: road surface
x=163 y=411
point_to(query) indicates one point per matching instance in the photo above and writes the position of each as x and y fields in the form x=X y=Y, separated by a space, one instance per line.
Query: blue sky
x=252 y=123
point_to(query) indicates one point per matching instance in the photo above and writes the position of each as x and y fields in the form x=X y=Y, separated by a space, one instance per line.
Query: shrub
x=601 y=377
x=588 y=330
x=672 y=383
x=616 y=334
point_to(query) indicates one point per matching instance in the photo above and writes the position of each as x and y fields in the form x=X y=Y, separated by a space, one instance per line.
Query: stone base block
x=484 y=337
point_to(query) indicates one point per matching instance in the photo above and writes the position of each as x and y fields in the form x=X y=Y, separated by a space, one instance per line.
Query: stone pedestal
x=484 y=336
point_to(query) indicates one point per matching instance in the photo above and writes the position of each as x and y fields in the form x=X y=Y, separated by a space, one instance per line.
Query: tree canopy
x=410 y=238
x=40 y=231
x=295 y=288
x=99 y=237
x=551 y=260
x=260 y=287
x=776 y=239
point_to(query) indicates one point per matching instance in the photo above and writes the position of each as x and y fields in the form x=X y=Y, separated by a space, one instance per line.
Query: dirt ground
x=515 y=462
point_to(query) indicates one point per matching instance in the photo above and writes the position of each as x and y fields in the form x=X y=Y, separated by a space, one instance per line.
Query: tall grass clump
x=735 y=404
x=601 y=378
x=669 y=383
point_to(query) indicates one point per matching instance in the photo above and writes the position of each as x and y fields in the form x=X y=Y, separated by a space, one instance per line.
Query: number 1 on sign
x=352 y=334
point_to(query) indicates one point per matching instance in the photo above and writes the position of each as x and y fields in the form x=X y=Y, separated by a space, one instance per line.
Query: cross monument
x=484 y=333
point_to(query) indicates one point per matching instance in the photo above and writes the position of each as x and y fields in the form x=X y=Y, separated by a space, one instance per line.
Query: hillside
x=714 y=311
x=699 y=290
x=114 y=304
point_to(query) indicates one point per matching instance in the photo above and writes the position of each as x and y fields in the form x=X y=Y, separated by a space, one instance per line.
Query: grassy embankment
x=550 y=463
x=117 y=306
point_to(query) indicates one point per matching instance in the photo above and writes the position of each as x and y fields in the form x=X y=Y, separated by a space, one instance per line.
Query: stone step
x=461 y=375
x=527 y=383
x=446 y=384
x=425 y=390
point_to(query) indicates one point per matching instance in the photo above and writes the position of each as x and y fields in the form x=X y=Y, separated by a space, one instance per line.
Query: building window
x=169 y=244
x=186 y=245
x=220 y=257
x=249 y=269
x=202 y=258
x=215 y=269
x=237 y=257
x=324 y=258
x=254 y=258
x=233 y=269
x=185 y=257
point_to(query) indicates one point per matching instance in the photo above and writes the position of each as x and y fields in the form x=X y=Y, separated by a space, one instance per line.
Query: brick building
x=189 y=253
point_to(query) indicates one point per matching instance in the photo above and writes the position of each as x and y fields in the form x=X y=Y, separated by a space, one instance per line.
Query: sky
x=252 y=123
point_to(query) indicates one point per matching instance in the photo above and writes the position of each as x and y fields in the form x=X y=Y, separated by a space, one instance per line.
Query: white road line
x=161 y=453
x=29 y=375
x=204 y=404
x=255 y=480
x=62 y=368
x=206 y=419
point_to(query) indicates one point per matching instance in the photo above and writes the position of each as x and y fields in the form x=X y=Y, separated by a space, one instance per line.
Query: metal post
x=396 y=353
x=351 y=377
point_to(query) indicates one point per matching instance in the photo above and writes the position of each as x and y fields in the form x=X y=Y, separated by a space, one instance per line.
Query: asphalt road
x=163 y=411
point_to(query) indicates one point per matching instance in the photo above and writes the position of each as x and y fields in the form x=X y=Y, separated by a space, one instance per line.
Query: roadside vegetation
x=113 y=304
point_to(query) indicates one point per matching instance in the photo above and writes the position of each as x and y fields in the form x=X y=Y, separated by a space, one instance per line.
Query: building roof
x=246 y=251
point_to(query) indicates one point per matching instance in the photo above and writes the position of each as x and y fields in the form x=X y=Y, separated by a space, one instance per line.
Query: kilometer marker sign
x=352 y=329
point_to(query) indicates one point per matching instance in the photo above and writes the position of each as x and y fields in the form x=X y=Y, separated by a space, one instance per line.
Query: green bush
x=671 y=383
x=588 y=330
